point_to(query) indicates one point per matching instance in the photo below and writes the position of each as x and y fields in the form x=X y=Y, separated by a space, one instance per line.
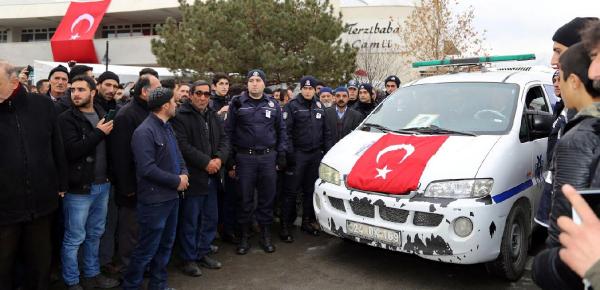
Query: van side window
x=550 y=92
x=536 y=100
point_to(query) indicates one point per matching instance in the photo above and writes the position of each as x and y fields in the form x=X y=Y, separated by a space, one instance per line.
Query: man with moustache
x=85 y=205
x=341 y=119
x=108 y=84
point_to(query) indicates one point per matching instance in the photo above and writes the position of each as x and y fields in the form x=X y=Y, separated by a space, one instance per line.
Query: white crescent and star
x=383 y=172
x=83 y=17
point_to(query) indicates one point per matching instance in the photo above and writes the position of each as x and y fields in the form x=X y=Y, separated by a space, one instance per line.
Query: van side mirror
x=540 y=122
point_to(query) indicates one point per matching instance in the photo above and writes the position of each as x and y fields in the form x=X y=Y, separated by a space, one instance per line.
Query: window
x=3 y=36
x=37 y=34
x=128 y=30
x=536 y=100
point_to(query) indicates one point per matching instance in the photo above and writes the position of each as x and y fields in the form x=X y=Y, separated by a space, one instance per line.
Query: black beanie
x=392 y=78
x=79 y=70
x=108 y=75
x=159 y=97
x=59 y=68
x=568 y=34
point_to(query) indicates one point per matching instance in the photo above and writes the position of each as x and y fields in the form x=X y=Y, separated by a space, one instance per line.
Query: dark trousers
x=301 y=179
x=256 y=172
x=32 y=240
x=543 y=212
x=549 y=272
x=108 y=241
x=158 y=225
x=198 y=223
x=228 y=205
x=127 y=231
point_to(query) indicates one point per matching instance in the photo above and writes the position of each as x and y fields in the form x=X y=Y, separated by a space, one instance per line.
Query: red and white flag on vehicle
x=394 y=164
x=74 y=37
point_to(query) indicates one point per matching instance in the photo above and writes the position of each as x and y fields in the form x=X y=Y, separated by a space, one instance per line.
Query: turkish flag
x=394 y=163
x=74 y=37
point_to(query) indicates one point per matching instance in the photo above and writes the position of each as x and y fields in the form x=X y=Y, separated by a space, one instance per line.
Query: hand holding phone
x=110 y=115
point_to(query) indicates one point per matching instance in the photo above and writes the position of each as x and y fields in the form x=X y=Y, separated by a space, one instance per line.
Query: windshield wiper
x=386 y=129
x=433 y=129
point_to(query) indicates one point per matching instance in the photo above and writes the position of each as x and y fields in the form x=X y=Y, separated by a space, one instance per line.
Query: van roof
x=514 y=77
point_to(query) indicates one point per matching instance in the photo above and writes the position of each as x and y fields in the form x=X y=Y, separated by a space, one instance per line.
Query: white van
x=477 y=194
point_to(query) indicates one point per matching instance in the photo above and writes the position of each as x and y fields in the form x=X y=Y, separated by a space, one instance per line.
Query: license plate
x=382 y=235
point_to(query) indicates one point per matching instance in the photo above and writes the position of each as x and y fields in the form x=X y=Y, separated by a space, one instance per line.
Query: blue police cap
x=392 y=78
x=341 y=90
x=368 y=87
x=257 y=73
x=308 y=81
x=352 y=84
x=326 y=90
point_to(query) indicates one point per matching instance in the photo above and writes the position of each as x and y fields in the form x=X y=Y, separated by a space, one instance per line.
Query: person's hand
x=212 y=167
x=218 y=163
x=231 y=172
x=61 y=194
x=581 y=241
x=105 y=127
x=223 y=110
x=183 y=183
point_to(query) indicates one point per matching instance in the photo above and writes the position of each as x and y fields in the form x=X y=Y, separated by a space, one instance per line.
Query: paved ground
x=330 y=263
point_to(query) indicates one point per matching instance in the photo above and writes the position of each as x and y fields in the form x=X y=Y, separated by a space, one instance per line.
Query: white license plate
x=382 y=235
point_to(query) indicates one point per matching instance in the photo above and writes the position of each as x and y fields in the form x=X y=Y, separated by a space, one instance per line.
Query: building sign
x=378 y=36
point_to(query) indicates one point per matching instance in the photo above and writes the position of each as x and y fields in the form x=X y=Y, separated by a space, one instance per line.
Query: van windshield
x=469 y=108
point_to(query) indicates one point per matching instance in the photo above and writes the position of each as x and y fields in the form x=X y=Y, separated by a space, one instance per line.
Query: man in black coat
x=84 y=133
x=341 y=119
x=204 y=147
x=108 y=84
x=366 y=100
x=121 y=158
x=33 y=172
x=575 y=162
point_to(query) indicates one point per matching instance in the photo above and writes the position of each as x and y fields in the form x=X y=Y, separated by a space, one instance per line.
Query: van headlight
x=328 y=174
x=466 y=188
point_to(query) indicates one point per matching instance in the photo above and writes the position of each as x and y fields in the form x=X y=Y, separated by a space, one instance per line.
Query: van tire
x=511 y=262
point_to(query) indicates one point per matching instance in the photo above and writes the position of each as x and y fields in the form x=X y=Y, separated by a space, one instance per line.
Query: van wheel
x=510 y=264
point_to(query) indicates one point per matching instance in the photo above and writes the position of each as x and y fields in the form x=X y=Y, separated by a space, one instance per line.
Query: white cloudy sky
x=517 y=26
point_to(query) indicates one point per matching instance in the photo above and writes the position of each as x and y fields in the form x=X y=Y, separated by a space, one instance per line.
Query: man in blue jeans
x=204 y=147
x=85 y=205
x=161 y=173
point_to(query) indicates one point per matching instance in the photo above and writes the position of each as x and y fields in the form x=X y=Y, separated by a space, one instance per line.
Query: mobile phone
x=110 y=115
x=586 y=194
x=29 y=70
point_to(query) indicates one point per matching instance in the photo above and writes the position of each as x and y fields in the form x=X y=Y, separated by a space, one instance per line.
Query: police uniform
x=258 y=136
x=308 y=137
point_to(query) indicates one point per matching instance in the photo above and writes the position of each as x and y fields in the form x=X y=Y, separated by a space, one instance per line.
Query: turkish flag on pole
x=394 y=163
x=74 y=37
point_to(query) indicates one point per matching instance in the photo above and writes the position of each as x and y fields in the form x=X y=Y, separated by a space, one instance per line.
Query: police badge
x=271 y=104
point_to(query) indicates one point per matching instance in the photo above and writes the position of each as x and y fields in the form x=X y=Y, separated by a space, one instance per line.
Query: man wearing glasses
x=204 y=147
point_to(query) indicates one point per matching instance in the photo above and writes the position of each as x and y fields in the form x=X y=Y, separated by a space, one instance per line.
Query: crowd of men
x=113 y=179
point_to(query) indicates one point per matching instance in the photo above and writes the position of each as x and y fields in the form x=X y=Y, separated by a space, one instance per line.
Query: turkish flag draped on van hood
x=394 y=164
x=74 y=37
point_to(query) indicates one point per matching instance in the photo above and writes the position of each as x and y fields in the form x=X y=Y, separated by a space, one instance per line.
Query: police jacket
x=306 y=126
x=201 y=137
x=255 y=124
x=364 y=108
x=80 y=139
x=576 y=163
x=158 y=161
x=119 y=148
x=341 y=127
x=33 y=167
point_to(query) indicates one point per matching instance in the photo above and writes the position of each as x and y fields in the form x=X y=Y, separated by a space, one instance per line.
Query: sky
x=516 y=26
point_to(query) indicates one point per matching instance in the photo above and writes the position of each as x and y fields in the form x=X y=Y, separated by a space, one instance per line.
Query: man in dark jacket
x=108 y=84
x=366 y=100
x=340 y=119
x=308 y=137
x=204 y=147
x=352 y=87
x=575 y=161
x=33 y=172
x=85 y=205
x=220 y=99
x=123 y=168
x=161 y=173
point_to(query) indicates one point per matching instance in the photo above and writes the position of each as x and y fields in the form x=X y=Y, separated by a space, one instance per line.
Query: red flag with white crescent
x=74 y=37
x=394 y=164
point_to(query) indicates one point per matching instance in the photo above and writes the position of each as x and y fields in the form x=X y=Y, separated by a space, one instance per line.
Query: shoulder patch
x=319 y=104
x=285 y=115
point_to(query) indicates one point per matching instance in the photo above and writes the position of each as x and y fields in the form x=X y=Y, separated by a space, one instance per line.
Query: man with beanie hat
x=258 y=138
x=340 y=118
x=326 y=96
x=59 y=78
x=81 y=69
x=575 y=162
x=567 y=35
x=352 y=87
x=308 y=139
x=108 y=84
x=366 y=100
x=161 y=173
x=392 y=83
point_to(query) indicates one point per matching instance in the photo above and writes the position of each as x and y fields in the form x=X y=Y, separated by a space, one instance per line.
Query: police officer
x=308 y=138
x=392 y=83
x=258 y=137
